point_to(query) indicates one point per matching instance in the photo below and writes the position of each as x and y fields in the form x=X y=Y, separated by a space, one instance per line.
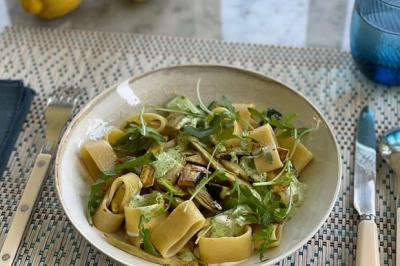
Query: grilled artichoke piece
x=188 y=153
x=147 y=175
x=197 y=159
x=204 y=199
x=174 y=173
x=207 y=156
x=191 y=175
x=235 y=169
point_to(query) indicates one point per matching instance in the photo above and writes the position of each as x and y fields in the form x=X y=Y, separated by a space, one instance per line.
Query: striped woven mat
x=47 y=59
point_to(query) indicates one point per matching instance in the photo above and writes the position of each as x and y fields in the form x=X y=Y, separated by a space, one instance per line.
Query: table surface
x=301 y=23
x=49 y=59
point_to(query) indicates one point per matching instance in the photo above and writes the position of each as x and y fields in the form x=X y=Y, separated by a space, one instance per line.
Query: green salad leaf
x=145 y=235
x=265 y=237
x=182 y=104
x=218 y=122
x=228 y=105
x=167 y=185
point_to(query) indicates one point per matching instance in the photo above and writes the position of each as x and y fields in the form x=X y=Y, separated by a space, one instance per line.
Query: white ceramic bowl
x=322 y=176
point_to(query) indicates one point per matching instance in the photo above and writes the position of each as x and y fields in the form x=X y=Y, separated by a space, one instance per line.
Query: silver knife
x=364 y=190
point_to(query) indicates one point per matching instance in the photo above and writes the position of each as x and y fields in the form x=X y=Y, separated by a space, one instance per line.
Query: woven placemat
x=47 y=59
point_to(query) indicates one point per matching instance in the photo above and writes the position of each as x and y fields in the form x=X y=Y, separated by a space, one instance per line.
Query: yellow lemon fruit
x=49 y=8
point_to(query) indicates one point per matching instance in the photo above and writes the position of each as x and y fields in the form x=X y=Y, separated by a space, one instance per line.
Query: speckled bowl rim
x=260 y=75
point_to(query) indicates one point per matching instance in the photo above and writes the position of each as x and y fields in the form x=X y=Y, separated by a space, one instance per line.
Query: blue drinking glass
x=375 y=39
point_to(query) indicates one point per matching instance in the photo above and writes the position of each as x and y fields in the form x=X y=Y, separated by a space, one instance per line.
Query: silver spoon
x=389 y=148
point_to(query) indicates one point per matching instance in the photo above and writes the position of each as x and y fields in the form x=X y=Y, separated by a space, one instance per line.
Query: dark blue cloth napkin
x=15 y=101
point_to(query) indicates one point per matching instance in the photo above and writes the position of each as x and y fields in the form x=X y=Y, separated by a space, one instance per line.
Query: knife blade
x=365 y=164
x=364 y=189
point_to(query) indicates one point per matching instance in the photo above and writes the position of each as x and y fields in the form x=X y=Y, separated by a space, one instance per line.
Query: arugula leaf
x=282 y=124
x=265 y=237
x=202 y=105
x=212 y=105
x=131 y=164
x=145 y=235
x=97 y=189
x=148 y=131
x=217 y=122
x=228 y=104
x=267 y=210
x=264 y=211
x=134 y=142
x=256 y=114
x=96 y=194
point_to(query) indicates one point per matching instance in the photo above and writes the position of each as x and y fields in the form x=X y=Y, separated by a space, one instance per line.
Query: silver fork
x=57 y=113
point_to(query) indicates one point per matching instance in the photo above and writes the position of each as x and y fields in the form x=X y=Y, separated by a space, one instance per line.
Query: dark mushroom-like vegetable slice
x=213 y=162
x=197 y=159
x=174 y=173
x=204 y=199
x=235 y=168
x=191 y=175
x=147 y=175
x=283 y=153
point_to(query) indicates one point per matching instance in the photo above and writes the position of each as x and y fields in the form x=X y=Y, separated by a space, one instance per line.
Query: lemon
x=49 y=8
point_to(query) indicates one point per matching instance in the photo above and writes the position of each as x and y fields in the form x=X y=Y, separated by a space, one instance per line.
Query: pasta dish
x=197 y=184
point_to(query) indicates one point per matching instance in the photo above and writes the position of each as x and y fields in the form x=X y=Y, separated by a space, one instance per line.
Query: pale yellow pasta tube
x=171 y=235
x=301 y=157
x=150 y=204
x=104 y=218
x=98 y=156
x=153 y=120
x=140 y=253
x=244 y=113
x=226 y=249
x=113 y=135
x=266 y=137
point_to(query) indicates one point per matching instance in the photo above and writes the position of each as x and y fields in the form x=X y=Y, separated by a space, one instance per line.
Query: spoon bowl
x=389 y=148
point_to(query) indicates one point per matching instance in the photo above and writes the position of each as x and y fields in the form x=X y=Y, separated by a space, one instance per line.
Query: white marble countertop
x=298 y=23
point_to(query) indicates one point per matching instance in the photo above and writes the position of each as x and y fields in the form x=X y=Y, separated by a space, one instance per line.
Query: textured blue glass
x=375 y=39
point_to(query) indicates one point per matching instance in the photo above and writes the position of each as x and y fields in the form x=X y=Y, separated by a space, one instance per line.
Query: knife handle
x=24 y=209
x=367 y=244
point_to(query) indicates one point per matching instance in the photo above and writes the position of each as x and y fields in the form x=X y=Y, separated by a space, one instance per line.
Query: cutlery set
x=365 y=186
